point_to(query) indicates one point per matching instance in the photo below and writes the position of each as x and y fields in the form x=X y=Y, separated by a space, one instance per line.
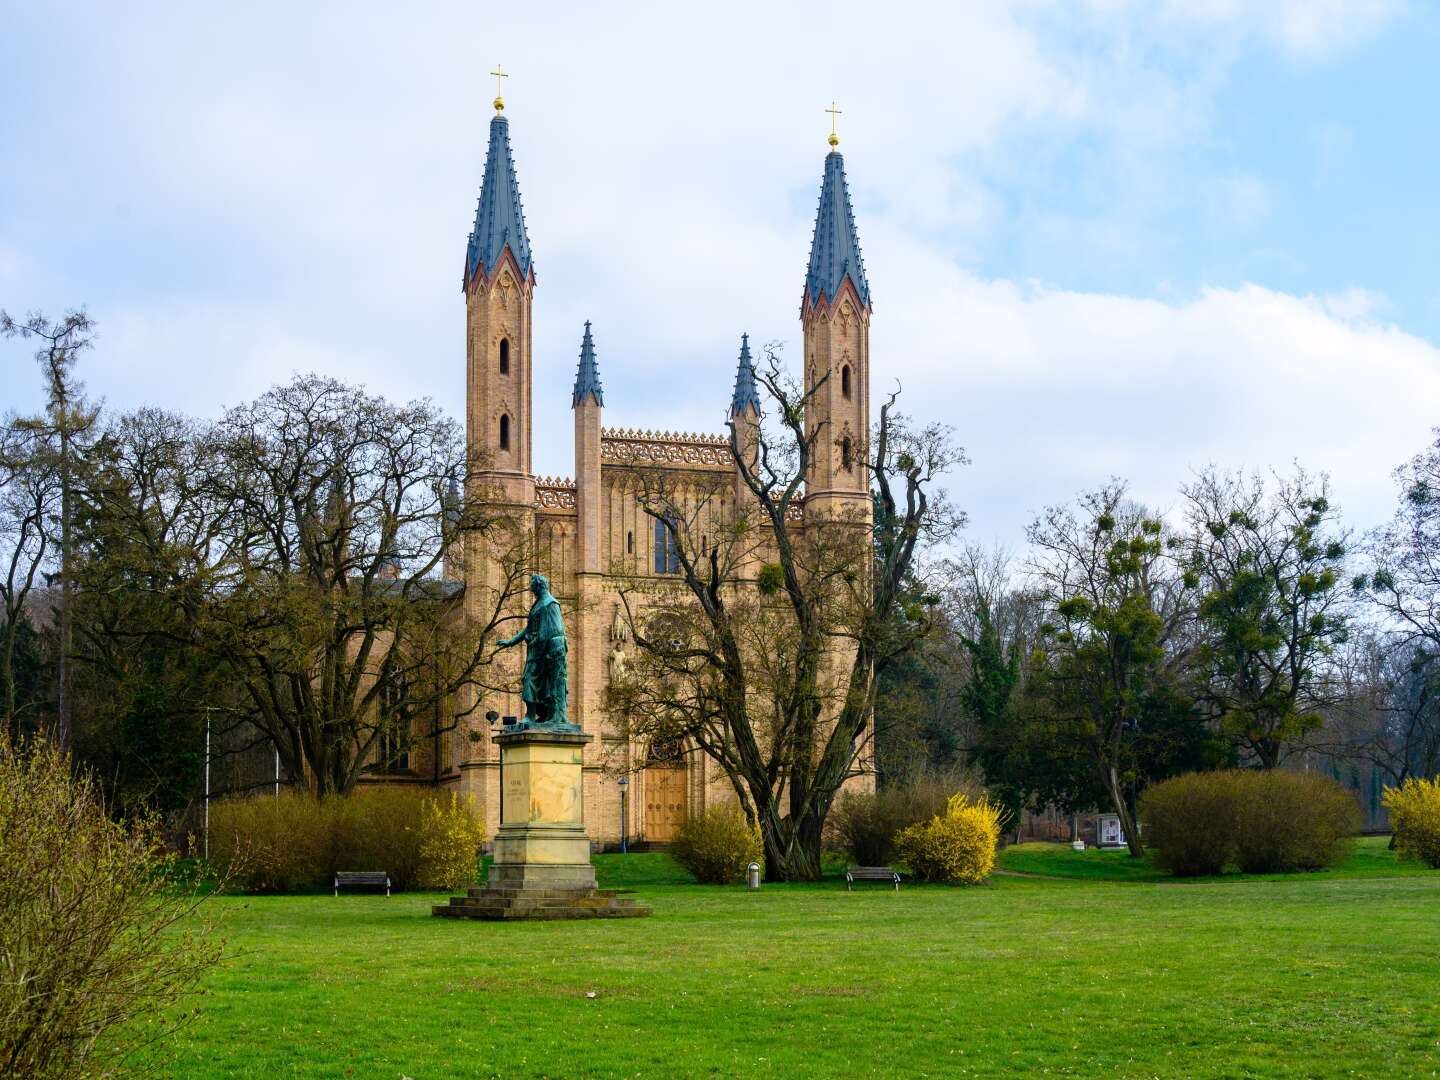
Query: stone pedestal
x=542 y=855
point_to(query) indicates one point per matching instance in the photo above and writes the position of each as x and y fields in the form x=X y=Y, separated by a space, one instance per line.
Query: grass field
x=1370 y=857
x=1313 y=975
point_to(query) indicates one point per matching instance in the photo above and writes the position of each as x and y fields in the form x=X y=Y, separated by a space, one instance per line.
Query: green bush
x=272 y=845
x=100 y=947
x=717 y=845
x=956 y=847
x=1292 y=821
x=1189 y=822
x=295 y=843
x=864 y=825
x=1415 y=818
x=1263 y=821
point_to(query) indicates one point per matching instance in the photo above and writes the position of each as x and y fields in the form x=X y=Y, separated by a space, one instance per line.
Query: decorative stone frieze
x=627 y=446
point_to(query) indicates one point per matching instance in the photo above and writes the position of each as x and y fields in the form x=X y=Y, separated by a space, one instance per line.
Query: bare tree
x=311 y=544
x=62 y=433
x=1403 y=579
x=1385 y=707
x=29 y=506
x=740 y=658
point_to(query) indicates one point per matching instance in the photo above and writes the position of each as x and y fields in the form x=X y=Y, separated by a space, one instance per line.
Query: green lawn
x=1369 y=857
x=1306 y=976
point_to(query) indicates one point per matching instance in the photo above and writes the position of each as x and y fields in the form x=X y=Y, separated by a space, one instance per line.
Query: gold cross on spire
x=834 y=112
x=499 y=73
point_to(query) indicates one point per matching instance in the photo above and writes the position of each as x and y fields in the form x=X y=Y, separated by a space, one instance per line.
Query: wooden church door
x=664 y=802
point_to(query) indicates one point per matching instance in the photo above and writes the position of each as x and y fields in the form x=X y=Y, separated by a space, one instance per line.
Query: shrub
x=865 y=825
x=1292 y=821
x=271 y=845
x=717 y=845
x=1265 y=821
x=957 y=846
x=1189 y=822
x=450 y=843
x=295 y=843
x=380 y=828
x=1415 y=818
x=98 y=943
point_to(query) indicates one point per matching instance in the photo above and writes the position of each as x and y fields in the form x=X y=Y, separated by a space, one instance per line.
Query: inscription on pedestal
x=544 y=784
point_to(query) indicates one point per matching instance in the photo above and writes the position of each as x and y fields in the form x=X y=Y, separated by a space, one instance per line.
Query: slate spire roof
x=745 y=397
x=499 y=217
x=587 y=375
x=835 y=247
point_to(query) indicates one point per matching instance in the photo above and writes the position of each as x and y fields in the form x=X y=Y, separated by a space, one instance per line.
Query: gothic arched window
x=846 y=454
x=392 y=753
x=845 y=381
x=667 y=557
x=504 y=432
x=504 y=356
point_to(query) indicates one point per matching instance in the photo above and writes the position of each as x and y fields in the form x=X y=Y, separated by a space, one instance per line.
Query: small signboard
x=1111 y=835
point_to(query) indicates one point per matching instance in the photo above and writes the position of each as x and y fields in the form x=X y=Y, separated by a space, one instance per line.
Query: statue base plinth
x=542 y=864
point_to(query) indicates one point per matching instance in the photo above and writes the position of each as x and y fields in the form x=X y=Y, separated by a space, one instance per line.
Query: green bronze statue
x=545 y=688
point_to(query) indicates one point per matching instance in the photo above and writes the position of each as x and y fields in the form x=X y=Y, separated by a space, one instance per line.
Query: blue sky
x=1104 y=237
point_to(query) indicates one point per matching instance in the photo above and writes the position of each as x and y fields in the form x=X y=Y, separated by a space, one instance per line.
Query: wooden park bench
x=362 y=877
x=870 y=873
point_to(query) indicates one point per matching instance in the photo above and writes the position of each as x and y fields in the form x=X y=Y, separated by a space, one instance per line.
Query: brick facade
x=590 y=534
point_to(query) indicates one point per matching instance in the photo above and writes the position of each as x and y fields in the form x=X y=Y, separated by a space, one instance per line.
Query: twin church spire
x=499 y=216
x=835 y=260
x=835 y=245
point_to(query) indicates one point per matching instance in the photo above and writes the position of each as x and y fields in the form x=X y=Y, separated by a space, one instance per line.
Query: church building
x=590 y=530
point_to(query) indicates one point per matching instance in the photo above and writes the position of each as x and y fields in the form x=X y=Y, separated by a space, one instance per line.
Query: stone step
x=497 y=908
x=544 y=914
x=516 y=902
x=529 y=901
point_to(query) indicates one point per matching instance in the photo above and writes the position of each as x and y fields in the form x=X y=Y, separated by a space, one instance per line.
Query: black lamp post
x=624 y=830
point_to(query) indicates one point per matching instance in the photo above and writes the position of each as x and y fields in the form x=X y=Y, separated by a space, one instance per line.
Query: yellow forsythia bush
x=450 y=843
x=957 y=846
x=717 y=845
x=1415 y=817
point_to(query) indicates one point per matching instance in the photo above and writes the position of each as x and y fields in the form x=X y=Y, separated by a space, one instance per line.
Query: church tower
x=499 y=284
x=835 y=314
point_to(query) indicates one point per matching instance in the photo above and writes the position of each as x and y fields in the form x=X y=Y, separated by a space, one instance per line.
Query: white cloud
x=1355 y=304
x=1055 y=390
x=285 y=188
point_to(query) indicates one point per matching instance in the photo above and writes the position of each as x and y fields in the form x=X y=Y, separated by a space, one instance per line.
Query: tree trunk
x=1268 y=751
x=792 y=853
x=1123 y=809
x=7 y=677
x=61 y=732
x=796 y=860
